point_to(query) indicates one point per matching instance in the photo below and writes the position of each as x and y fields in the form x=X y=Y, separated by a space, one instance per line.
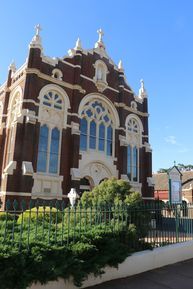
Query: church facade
x=71 y=122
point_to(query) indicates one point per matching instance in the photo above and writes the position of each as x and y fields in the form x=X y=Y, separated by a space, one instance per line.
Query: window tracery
x=96 y=126
x=133 y=126
x=53 y=100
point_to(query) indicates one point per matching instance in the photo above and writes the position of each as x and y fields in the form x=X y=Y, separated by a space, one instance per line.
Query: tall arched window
x=14 y=111
x=52 y=118
x=48 y=150
x=97 y=128
x=83 y=134
x=101 y=146
x=132 y=163
x=54 y=151
x=92 y=139
x=43 y=149
x=109 y=140
x=133 y=137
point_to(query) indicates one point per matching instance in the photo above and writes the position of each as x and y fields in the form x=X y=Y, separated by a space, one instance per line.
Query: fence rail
x=58 y=224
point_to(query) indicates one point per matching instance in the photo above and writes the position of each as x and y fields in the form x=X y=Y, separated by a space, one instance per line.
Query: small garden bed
x=45 y=243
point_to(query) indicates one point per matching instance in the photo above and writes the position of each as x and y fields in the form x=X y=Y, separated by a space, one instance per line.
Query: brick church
x=71 y=122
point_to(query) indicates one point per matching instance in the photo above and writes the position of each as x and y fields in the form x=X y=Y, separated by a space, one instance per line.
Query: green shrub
x=6 y=216
x=40 y=214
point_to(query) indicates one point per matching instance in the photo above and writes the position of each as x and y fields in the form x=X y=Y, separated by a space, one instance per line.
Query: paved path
x=177 y=276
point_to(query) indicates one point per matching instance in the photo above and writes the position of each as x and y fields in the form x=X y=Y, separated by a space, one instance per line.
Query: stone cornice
x=53 y=80
x=124 y=106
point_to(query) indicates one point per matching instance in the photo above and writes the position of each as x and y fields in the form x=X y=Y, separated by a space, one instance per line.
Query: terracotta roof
x=161 y=181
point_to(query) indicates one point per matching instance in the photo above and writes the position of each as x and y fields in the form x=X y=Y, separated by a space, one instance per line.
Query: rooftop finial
x=78 y=45
x=12 y=66
x=38 y=29
x=101 y=34
x=120 y=66
x=36 y=40
x=142 y=90
x=99 y=43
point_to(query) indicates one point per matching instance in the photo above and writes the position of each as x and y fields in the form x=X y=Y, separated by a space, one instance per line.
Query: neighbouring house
x=71 y=122
x=161 y=190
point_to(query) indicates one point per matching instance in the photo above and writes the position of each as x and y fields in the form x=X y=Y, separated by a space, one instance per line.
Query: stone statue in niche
x=100 y=73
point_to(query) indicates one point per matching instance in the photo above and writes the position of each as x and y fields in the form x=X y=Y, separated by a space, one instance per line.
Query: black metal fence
x=59 y=224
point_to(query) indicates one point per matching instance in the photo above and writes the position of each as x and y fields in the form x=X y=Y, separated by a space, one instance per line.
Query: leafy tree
x=111 y=192
x=180 y=166
x=162 y=170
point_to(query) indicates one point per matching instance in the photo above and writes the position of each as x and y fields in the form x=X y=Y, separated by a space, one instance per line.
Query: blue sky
x=154 y=39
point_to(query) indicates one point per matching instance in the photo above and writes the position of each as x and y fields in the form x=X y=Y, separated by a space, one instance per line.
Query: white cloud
x=183 y=150
x=171 y=139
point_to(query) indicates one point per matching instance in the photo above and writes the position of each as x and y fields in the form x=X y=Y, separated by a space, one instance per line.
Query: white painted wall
x=134 y=264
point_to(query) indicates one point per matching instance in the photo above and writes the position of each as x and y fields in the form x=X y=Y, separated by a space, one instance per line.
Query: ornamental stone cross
x=101 y=34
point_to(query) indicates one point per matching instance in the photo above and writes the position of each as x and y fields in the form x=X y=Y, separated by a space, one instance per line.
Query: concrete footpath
x=176 y=276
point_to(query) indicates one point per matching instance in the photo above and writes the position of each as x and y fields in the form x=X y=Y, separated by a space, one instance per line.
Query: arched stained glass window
x=43 y=149
x=92 y=142
x=53 y=100
x=96 y=127
x=133 y=135
x=133 y=126
x=48 y=150
x=83 y=134
x=109 y=140
x=101 y=145
x=129 y=162
x=135 y=164
x=132 y=163
x=54 y=151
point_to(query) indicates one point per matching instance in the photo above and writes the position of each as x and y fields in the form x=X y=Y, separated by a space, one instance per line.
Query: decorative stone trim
x=18 y=194
x=123 y=141
x=150 y=181
x=75 y=174
x=93 y=81
x=30 y=116
x=27 y=168
x=75 y=128
x=47 y=185
x=147 y=148
x=125 y=178
x=56 y=81
x=136 y=186
x=124 y=106
x=10 y=168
